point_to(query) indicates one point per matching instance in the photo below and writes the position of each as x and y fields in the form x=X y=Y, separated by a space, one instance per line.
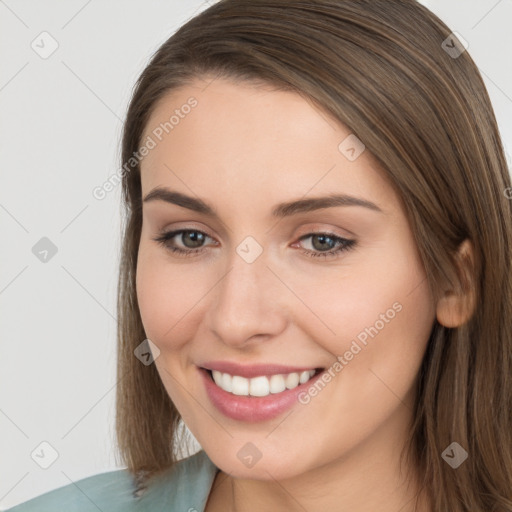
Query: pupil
x=322 y=238
x=195 y=235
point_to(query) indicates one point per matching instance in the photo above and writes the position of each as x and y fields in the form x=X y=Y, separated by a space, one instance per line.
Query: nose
x=248 y=303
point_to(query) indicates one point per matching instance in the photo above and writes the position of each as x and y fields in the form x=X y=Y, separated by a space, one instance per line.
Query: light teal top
x=183 y=488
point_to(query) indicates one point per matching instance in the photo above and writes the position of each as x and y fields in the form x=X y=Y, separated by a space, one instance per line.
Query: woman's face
x=339 y=288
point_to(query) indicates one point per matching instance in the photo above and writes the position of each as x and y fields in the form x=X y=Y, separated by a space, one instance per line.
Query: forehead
x=218 y=136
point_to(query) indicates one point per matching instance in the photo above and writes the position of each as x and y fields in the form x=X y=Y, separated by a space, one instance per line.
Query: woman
x=316 y=269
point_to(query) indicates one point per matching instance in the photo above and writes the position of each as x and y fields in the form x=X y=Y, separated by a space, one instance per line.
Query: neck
x=342 y=486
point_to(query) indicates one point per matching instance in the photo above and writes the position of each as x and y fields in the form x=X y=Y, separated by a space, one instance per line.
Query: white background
x=59 y=133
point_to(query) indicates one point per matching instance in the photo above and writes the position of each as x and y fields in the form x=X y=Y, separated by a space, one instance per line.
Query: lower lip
x=252 y=408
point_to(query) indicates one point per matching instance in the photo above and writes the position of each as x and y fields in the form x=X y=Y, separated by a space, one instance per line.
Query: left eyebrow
x=281 y=210
x=317 y=203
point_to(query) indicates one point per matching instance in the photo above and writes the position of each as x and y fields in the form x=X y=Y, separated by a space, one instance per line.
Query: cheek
x=385 y=305
x=168 y=298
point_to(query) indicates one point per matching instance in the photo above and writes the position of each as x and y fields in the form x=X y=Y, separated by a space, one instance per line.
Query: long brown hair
x=388 y=71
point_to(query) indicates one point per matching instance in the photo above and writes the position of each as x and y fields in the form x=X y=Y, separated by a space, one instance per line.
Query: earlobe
x=456 y=306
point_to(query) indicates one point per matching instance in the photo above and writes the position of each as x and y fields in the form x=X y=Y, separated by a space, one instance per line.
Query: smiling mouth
x=262 y=385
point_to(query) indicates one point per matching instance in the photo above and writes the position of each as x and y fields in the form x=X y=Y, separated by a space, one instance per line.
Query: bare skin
x=243 y=149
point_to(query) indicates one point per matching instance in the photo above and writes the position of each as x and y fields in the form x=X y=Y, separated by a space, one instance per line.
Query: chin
x=245 y=461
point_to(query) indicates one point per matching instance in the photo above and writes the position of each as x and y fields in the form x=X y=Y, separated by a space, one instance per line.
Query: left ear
x=456 y=306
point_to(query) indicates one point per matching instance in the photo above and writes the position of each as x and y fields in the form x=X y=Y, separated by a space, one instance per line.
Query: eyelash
x=345 y=244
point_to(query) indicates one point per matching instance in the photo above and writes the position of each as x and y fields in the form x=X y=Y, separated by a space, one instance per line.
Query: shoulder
x=185 y=486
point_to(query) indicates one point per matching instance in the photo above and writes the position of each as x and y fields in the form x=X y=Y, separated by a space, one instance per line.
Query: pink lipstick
x=254 y=408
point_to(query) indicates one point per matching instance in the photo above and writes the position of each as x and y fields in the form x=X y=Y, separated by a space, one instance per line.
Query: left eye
x=193 y=240
x=320 y=240
x=344 y=244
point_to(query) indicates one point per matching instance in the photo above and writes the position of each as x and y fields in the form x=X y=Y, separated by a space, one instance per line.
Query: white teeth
x=217 y=377
x=260 y=386
x=304 y=377
x=277 y=384
x=292 y=380
x=240 y=385
x=226 y=382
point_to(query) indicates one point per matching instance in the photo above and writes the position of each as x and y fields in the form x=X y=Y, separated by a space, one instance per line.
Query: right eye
x=192 y=236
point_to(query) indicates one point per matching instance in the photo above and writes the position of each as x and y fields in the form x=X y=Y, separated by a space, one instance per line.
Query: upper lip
x=253 y=370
